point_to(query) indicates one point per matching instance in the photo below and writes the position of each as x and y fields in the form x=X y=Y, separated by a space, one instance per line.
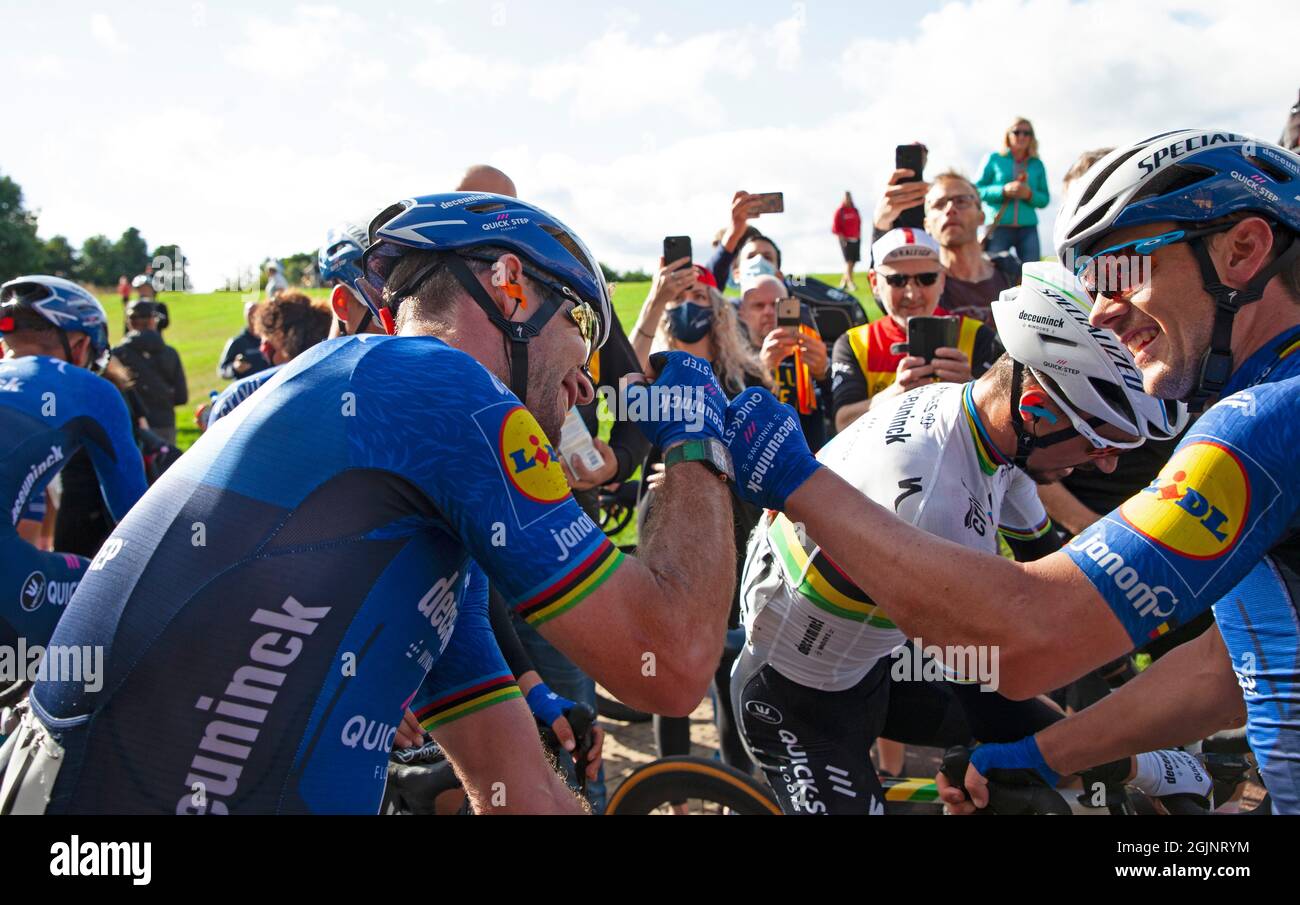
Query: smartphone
x=767 y=203
x=911 y=157
x=925 y=334
x=677 y=247
x=787 y=312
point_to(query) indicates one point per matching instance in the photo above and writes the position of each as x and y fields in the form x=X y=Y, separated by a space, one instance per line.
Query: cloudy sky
x=242 y=130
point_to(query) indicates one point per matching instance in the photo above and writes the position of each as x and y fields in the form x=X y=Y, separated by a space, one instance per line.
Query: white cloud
x=314 y=38
x=617 y=76
x=105 y=35
x=635 y=135
x=786 y=40
x=447 y=69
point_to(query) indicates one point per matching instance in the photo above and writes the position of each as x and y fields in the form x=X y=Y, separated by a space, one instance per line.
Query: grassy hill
x=202 y=322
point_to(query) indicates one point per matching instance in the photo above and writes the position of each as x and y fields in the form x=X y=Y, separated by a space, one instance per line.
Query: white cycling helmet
x=1043 y=324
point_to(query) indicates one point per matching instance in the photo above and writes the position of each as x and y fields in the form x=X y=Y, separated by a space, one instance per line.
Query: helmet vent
x=384 y=217
x=570 y=246
x=1270 y=168
x=1115 y=396
x=1175 y=179
x=1097 y=182
x=1048 y=339
x=488 y=207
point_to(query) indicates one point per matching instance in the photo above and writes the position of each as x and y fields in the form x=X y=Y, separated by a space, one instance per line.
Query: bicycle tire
x=683 y=777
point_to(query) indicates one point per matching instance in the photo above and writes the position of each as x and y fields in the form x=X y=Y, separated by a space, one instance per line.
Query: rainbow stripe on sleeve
x=1032 y=534
x=467 y=699
x=562 y=594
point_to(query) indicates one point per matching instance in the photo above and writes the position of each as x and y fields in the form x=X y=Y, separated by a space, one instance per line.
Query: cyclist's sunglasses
x=1029 y=132
x=1096 y=269
x=899 y=280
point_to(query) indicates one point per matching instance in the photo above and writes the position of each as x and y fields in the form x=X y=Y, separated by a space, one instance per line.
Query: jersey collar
x=1282 y=351
x=990 y=457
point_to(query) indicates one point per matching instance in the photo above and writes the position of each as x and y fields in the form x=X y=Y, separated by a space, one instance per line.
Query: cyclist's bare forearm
x=499 y=760
x=1046 y=621
x=1189 y=693
x=653 y=632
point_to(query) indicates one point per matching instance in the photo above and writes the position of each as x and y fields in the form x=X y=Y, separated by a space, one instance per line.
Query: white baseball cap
x=904 y=244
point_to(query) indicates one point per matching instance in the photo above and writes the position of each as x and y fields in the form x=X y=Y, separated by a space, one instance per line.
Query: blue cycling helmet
x=63 y=303
x=339 y=261
x=1189 y=176
x=451 y=223
x=339 y=258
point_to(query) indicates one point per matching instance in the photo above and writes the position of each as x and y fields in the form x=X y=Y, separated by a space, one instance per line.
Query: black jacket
x=157 y=375
x=250 y=347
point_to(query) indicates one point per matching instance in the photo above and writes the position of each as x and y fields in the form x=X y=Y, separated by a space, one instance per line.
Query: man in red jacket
x=848 y=226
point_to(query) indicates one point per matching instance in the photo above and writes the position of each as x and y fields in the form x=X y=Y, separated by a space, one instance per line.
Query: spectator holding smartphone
x=871 y=363
x=800 y=380
x=972 y=278
x=1013 y=187
x=848 y=228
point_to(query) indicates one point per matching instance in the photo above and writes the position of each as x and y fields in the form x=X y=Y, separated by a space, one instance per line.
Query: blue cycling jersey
x=238 y=391
x=1220 y=527
x=279 y=595
x=49 y=410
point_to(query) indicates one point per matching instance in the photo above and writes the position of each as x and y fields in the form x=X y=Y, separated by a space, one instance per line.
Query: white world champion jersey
x=923 y=456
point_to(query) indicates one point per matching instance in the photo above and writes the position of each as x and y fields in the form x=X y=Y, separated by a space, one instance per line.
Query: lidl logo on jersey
x=1198 y=503
x=530 y=461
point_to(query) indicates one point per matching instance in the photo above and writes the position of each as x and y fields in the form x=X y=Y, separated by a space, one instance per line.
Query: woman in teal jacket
x=1013 y=186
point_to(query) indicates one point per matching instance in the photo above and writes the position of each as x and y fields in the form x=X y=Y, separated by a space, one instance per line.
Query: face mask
x=757 y=266
x=690 y=322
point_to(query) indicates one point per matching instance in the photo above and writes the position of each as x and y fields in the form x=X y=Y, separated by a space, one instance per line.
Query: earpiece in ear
x=1032 y=406
x=516 y=292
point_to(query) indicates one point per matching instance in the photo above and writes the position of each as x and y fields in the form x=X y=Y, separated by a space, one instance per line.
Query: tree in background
x=20 y=250
x=59 y=258
x=131 y=253
x=171 y=269
x=299 y=269
x=99 y=262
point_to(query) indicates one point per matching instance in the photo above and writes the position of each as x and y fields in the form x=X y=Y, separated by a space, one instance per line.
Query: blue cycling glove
x=684 y=403
x=546 y=705
x=1021 y=755
x=768 y=449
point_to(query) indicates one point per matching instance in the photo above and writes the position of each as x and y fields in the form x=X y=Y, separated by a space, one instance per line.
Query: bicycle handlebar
x=1010 y=791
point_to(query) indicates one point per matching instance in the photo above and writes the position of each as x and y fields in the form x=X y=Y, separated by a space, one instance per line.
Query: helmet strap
x=67 y=347
x=1216 y=366
x=1026 y=442
x=518 y=334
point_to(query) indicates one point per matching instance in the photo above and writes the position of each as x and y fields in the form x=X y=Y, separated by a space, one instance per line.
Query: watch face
x=720 y=458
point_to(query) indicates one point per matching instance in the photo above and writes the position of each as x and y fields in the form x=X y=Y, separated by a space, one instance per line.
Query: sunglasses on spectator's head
x=899 y=280
x=1029 y=132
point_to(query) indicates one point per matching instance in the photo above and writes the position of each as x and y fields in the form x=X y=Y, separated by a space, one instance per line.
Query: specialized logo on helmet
x=32 y=594
x=1172 y=152
x=530 y=460
x=1198 y=503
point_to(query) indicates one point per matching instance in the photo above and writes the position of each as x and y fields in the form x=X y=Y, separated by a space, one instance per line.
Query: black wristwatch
x=708 y=451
